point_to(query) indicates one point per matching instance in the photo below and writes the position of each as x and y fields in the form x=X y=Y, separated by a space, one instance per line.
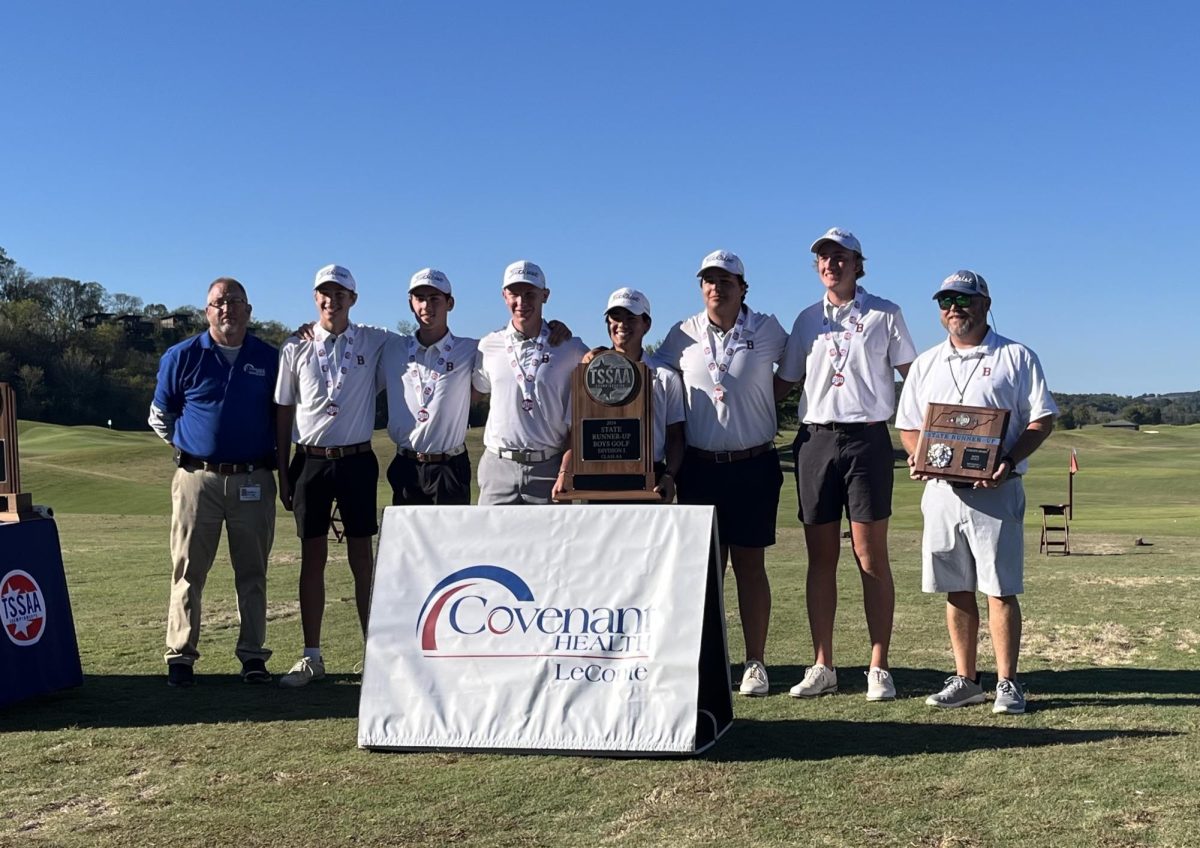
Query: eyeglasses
x=226 y=302
x=962 y=301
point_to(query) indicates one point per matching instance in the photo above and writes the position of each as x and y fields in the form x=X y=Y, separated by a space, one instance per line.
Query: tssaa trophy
x=15 y=505
x=612 y=449
x=960 y=444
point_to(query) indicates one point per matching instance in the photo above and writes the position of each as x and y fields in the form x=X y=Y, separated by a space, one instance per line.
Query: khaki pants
x=201 y=502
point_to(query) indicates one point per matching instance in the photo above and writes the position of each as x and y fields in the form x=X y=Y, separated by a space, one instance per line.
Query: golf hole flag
x=585 y=629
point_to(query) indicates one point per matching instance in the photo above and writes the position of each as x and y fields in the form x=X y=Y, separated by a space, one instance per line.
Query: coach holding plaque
x=974 y=531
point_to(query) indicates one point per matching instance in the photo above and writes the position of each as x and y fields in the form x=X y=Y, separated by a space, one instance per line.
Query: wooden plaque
x=612 y=431
x=15 y=505
x=961 y=444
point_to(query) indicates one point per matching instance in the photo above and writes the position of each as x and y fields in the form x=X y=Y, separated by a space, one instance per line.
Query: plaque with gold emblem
x=962 y=444
x=612 y=453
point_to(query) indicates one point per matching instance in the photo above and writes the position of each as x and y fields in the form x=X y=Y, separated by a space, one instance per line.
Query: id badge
x=250 y=492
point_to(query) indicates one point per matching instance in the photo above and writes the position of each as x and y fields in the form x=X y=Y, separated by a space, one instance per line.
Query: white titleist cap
x=524 y=271
x=335 y=274
x=839 y=236
x=725 y=260
x=430 y=277
x=964 y=282
x=630 y=299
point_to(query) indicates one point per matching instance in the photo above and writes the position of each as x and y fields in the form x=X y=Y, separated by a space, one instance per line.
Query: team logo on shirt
x=254 y=372
x=987 y=371
x=22 y=608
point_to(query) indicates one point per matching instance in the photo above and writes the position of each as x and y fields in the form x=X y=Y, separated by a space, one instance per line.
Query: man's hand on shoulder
x=305 y=331
x=559 y=332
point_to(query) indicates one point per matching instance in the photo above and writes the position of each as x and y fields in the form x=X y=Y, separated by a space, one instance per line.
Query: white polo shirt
x=846 y=357
x=745 y=416
x=668 y=404
x=428 y=391
x=311 y=381
x=504 y=359
x=998 y=373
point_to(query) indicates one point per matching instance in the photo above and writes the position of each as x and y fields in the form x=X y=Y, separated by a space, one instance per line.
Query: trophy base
x=17 y=506
x=611 y=487
x=632 y=497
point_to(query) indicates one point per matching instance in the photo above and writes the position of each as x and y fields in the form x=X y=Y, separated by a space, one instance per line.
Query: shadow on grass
x=1088 y=684
x=800 y=739
x=129 y=700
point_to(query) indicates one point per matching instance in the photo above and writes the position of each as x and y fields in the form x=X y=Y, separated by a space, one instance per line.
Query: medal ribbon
x=839 y=355
x=717 y=369
x=527 y=379
x=425 y=386
x=343 y=368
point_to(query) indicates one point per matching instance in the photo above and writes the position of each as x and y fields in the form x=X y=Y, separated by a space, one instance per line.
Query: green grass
x=1107 y=755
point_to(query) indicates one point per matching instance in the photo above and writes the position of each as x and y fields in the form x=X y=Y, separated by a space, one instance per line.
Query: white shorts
x=974 y=539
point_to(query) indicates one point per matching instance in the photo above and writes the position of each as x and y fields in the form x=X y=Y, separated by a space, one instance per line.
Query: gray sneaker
x=958 y=692
x=1009 y=697
x=818 y=680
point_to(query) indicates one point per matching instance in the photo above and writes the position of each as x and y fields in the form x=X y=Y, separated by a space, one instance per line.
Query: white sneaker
x=754 y=679
x=818 y=680
x=306 y=670
x=879 y=685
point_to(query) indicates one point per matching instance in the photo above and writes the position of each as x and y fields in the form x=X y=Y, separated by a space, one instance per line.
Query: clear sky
x=153 y=146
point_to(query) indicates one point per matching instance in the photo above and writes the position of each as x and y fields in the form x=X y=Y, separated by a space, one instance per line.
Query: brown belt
x=227 y=468
x=731 y=456
x=417 y=456
x=334 y=453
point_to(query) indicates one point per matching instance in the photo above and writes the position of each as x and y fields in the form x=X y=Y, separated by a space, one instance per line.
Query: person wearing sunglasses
x=844 y=350
x=974 y=534
x=213 y=403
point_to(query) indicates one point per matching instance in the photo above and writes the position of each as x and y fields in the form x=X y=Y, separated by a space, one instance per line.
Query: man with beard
x=974 y=533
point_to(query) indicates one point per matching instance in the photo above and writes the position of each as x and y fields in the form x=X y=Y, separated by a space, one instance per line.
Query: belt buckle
x=722 y=456
x=333 y=453
x=226 y=468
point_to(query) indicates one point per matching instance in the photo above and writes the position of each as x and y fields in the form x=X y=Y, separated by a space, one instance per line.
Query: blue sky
x=1051 y=147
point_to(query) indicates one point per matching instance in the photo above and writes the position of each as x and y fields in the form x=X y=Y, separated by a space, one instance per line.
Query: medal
x=719 y=393
x=838 y=379
x=422 y=415
x=527 y=404
x=526 y=378
x=331 y=409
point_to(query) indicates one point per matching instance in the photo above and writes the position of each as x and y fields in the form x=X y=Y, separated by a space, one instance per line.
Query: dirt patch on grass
x=1104 y=643
x=1186 y=641
x=67 y=814
x=1139 y=582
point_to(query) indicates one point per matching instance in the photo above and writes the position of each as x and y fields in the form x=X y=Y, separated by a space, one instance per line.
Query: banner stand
x=594 y=629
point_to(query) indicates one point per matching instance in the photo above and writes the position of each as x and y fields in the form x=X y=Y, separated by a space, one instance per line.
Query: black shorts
x=317 y=483
x=745 y=493
x=844 y=471
x=445 y=483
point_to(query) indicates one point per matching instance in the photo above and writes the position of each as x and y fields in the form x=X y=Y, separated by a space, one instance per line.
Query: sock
x=312 y=653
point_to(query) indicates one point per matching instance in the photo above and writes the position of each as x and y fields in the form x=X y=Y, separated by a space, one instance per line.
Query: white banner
x=566 y=628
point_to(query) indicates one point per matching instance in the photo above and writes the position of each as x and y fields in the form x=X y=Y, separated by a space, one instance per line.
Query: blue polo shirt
x=224 y=410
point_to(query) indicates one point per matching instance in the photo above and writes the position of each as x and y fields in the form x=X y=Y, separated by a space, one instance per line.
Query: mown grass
x=1107 y=755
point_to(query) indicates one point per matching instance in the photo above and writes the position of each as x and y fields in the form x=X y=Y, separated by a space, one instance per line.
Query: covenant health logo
x=489 y=611
x=22 y=608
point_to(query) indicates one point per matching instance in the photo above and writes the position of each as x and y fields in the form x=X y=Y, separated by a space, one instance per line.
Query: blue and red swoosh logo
x=452 y=584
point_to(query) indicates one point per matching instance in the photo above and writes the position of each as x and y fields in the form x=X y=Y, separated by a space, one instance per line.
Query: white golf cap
x=724 y=260
x=631 y=299
x=430 y=277
x=335 y=274
x=839 y=236
x=524 y=271
x=963 y=282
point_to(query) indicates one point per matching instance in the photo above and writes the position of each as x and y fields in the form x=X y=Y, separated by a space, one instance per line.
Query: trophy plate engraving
x=961 y=444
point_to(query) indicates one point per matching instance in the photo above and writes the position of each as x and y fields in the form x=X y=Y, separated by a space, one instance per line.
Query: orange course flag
x=1074 y=462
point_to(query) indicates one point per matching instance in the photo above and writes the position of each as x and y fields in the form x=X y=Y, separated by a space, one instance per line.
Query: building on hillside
x=1121 y=424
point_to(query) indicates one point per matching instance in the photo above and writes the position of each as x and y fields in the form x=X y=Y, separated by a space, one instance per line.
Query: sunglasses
x=962 y=301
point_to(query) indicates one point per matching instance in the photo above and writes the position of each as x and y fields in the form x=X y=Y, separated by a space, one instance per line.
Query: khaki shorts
x=974 y=539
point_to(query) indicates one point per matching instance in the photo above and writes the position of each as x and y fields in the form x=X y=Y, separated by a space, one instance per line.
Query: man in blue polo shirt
x=214 y=405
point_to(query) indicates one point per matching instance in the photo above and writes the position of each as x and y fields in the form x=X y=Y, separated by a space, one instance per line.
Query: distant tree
x=1142 y=413
x=406 y=328
x=123 y=304
x=1066 y=420
x=70 y=300
x=155 y=310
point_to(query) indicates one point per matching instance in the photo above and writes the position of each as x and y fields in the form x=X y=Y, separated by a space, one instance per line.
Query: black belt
x=417 y=456
x=731 y=456
x=335 y=452
x=839 y=427
x=191 y=463
x=957 y=485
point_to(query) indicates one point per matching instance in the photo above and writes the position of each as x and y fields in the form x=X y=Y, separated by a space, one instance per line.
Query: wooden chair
x=1056 y=529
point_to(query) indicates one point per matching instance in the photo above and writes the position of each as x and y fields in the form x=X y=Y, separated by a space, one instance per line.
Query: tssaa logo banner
x=553 y=628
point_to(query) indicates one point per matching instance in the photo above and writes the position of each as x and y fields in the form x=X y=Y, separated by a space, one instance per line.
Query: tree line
x=77 y=354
